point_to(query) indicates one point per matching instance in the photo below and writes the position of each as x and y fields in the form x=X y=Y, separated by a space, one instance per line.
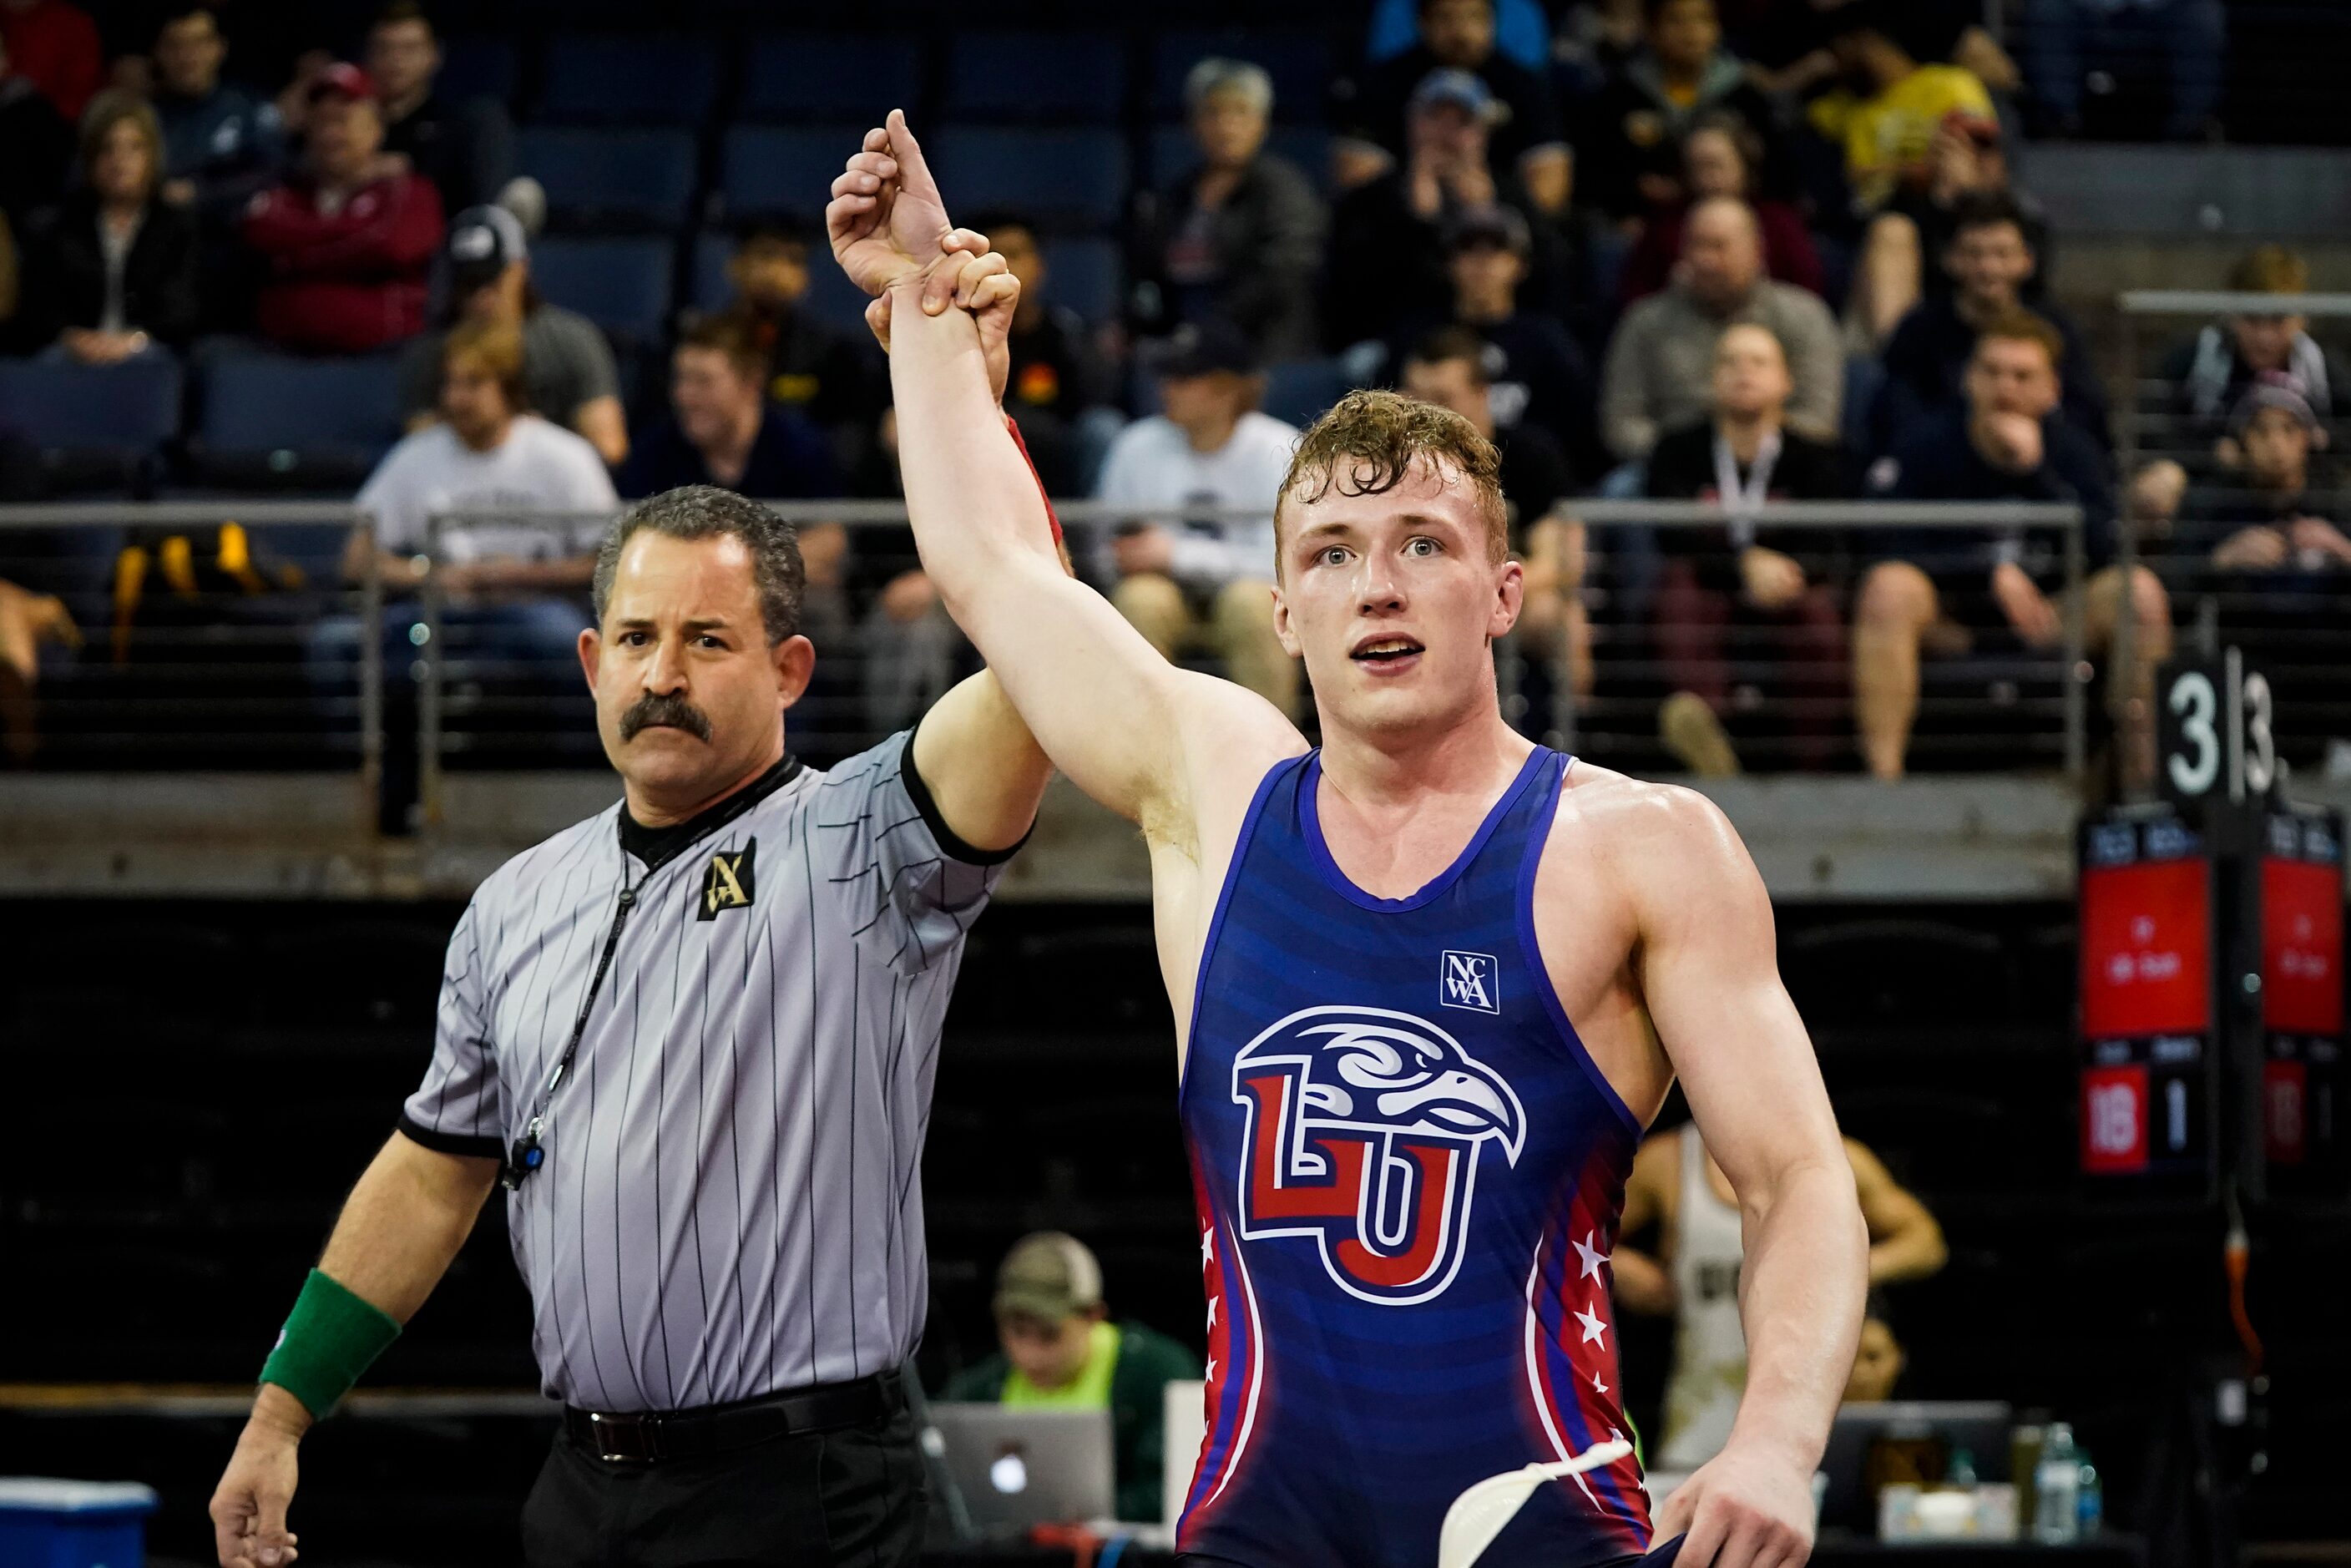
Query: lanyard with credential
x=1744 y=502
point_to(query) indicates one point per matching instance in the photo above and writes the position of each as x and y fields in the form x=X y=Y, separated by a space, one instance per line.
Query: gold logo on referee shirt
x=727 y=883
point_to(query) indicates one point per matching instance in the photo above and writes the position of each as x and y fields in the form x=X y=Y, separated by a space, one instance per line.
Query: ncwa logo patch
x=1469 y=980
x=728 y=883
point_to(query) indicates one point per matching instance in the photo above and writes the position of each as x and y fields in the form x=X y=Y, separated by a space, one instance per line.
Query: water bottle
x=1961 y=1472
x=2057 y=1488
x=2091 y=1510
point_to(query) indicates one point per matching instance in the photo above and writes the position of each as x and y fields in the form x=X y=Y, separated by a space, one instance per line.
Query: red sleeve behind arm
x=1051 y=516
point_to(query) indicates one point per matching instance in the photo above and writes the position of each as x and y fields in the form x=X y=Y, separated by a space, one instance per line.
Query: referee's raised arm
x=694 y=1037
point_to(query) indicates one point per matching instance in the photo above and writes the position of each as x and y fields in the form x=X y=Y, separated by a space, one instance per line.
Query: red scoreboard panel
x=2147 y=950
x=2302 y=1002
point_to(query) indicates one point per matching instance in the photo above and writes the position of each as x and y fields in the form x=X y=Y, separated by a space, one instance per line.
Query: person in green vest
x=1062 y=1351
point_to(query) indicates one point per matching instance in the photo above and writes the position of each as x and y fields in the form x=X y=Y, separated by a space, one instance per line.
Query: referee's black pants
x=849 y=1497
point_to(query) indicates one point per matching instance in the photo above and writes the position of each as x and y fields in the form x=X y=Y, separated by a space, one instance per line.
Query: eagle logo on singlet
x=1365 y=1129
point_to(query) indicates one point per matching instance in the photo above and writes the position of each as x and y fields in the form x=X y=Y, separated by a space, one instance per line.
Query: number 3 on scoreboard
x=2195 y=763
x=2218 y=715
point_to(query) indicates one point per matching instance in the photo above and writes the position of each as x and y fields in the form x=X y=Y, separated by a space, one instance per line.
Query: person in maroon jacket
x=344 y=244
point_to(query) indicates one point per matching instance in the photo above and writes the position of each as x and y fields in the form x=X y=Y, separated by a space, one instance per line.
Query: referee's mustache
x=667 y=708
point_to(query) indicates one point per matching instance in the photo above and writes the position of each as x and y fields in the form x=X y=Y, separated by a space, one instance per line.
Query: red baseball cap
x=342 y=77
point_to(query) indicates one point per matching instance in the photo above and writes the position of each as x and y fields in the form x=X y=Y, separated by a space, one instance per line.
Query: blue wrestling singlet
x=1409 y=1174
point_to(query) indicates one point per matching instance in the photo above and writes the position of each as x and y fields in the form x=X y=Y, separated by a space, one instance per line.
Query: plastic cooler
x=73 y=1524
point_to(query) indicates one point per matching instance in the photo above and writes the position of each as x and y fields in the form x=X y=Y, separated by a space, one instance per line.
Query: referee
x=694 y=1037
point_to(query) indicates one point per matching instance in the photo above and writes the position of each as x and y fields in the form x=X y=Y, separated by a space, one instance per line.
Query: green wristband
x=330 y=1337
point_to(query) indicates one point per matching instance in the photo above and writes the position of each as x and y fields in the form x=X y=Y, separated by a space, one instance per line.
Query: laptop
x=1905 y=1440
x=1016 y=1467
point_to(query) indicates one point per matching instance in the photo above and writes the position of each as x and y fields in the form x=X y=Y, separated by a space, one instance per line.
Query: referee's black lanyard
x=528 y=1155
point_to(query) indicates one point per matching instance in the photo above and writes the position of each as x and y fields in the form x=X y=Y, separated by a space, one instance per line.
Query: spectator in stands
x=2208 y=375
x=1878 y=1358
x=1719 y=157
x=28 y=623
x=512 y=590
x=2268 y=520
x=40 y=150
x=1660 y=369
x=1241 y=236
x=811 y=365
x=1884 y=115
x=1062 y=1352
x=1521 y=30
x=1388 y=262
x=467 y=149
x=1743 y=576
x=344 y=244
x=2009 y=443
x=55 y=46
x=1059 y=389
x=1966 y=162
x=1991 y=263
x=1200 y=582
x=565 y=363
x=2067 y=40
x=111 y=274
x=1528 y=145
x=1677 y=1186
x=1448 y=367
x=721 y=430
x=1629 y=156
x=221 y=144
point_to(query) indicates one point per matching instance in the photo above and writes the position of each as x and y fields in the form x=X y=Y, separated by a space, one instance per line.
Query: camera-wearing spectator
x=2205 y=377
x=811 y=365
x=1719 y=157
x=343 y=246
x=2067 y=41
x=2009 y=443
x=29 y=622
x=1060 y=1350
x=56 y=46
x=1967 y=162
x=40 y=146
x=565 y=363
x=1885 y=112
x=1746 y=580
x=511 y=590
x=723 y=429
x=1204 y=581
x=1059 y=389
x=221 y=144
x=1450 y=368
x=1388 y=258
x=1990 y=263
x=111 y=274
x=1677 y=1186
x=1241 y=236
x=1529 y=143
x=1660 y=368
x=1630 y=151
x=466 y=149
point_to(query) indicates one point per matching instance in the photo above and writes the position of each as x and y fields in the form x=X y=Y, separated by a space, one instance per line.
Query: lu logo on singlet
x=727 y=883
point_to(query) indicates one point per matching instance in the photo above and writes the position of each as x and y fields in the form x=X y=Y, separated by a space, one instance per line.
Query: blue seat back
x=1086 y=274
x=829 y=75
x=1068 y=178
x=1059 y=76
x=630 y=80
x=634 y=177
x=764 y=168
x=622 y=284
x=262 y=403
x=129 y=409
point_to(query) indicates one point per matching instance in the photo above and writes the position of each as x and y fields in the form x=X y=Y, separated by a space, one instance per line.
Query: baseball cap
x=481 y=242
x=1203 y=347
x=1491 y=224
x=1049 y=1276
x=1463 y=89
x=2273 y=389
x=343 y=79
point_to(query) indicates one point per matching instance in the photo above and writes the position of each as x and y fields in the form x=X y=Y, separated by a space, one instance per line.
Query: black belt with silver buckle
x=649 y=1436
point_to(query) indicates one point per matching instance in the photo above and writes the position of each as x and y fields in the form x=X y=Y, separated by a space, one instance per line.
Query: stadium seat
x=1301 y=390
x=766 y=170
x=622 y=284
x=829 y=75
x=311 y=422
x=630 y=80
x=830 y=296
x=1065 y=77
x=1087 y=276
x=478 y=68
x=1300 y=64
x=1068 y=178
x=88 y=423
x=1308 y=146
x=597 y=179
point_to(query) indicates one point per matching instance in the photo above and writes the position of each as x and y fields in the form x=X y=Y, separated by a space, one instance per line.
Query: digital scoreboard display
x=2302 y=1002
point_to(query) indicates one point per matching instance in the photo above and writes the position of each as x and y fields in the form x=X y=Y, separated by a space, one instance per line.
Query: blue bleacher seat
x=622 y=284
x=829 y=75
x=1038 y=76
x=120 y=414
x=601 y=177
x=296 y=414
x=1301 y=390
x=635 y=80
x=478 y=68
x=1068 y=178
x=1087 y=276
x=830 y=296
x=1300 y=64
x=1308 y=146
x=766 y=170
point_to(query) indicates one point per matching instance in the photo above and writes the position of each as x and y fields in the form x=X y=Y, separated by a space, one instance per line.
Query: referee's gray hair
x=1216 y=74
x=704 y=511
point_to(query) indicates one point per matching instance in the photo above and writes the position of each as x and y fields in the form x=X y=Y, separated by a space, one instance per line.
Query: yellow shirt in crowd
x=1885 y=139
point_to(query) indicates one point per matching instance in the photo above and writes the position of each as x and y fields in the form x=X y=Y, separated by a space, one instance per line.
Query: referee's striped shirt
x=731 y=1198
